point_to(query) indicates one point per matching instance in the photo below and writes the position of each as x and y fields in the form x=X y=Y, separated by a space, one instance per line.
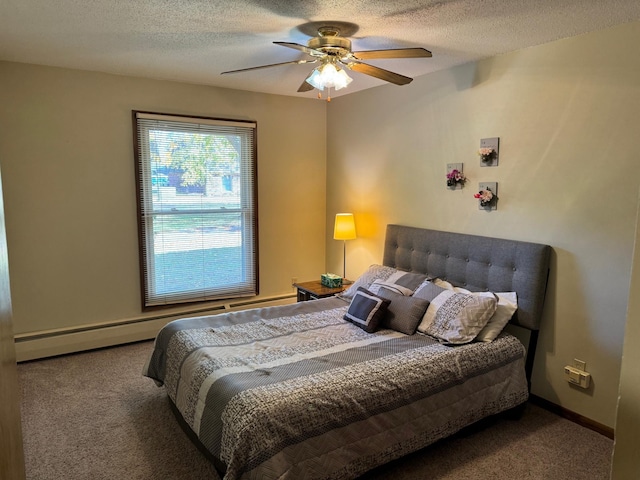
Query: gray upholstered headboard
x=475 y=263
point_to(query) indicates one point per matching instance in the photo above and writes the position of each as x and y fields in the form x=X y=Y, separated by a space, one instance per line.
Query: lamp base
x=346 y=281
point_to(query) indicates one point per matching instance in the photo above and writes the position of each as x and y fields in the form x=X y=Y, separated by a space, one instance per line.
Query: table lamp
x=344 y=229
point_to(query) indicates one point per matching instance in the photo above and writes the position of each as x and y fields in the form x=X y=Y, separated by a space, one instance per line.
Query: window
x=197 y=208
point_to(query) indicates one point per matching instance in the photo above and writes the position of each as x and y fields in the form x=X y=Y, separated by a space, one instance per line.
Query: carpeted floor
x=94 y=416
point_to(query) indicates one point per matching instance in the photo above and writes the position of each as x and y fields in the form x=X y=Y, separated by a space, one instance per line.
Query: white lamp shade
x=328 y=76
x=345 y=227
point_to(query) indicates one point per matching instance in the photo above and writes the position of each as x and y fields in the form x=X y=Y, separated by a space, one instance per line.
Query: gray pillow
x=394 y=287
x=373 y=273
x=403 y=313
x=366 y=310
x=407 y=279
x=428 y=291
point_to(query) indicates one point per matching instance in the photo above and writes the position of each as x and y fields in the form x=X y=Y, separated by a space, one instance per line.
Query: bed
x=305 y=391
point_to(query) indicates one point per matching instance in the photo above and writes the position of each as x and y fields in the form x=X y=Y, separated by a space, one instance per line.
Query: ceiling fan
x=334 y=54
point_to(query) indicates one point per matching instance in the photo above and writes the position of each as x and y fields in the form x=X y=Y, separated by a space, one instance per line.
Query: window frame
x=144 y=193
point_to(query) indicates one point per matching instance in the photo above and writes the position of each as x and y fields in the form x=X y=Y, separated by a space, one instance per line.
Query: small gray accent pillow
x=457 y=318
x=404 y=313
x=366 y=310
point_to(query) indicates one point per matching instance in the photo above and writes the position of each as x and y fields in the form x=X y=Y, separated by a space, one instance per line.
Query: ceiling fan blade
x=295 y=62
x=393 y=53
x=302 y=48
x=380 y=73
x=305 y=87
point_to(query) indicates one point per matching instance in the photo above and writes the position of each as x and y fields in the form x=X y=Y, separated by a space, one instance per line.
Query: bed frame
x=478 y=264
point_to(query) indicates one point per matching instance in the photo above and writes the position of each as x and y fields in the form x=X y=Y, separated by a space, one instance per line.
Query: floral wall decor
x=488 y=152
x=455 y=177
x=487 y=196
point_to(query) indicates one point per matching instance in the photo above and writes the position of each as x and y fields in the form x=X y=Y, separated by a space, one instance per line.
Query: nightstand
x=314 y=290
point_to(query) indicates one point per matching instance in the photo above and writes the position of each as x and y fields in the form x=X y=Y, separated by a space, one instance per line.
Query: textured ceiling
x=194 y=40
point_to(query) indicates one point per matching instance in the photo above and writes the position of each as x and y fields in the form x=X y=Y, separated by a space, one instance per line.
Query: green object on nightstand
x=331 y=280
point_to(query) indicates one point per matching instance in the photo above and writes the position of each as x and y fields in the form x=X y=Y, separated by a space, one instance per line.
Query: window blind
x=197 y=208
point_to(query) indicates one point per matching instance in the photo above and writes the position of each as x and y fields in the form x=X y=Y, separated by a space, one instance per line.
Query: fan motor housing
x=332 y=45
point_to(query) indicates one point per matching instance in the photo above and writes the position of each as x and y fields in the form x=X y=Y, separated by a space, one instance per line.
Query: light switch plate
x=579 y=364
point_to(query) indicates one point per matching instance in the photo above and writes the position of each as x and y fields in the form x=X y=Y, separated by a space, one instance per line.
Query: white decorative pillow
x=454 y=317
x=506 y=307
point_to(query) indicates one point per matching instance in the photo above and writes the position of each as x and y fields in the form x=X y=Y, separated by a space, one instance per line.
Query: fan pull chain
x=328 y=94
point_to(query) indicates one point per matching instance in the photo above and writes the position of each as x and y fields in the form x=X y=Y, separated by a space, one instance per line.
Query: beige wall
x=567 y=117
x=67 y=159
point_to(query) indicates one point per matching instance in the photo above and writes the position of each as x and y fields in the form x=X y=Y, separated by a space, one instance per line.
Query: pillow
x=408 y=280
x=454 y=317
x=387 y=274
x=366 y=310
x=399 y=289
x=443 y=283
x=428 y=291
x=373 y=273
x=506 y=307
x=404 y=313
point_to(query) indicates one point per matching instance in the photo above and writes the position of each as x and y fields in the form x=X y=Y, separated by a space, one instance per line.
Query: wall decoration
x=455 y=177
x=487 y=196
x=489 y=151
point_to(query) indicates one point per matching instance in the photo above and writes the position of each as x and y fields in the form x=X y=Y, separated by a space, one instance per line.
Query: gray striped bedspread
x=296 y=392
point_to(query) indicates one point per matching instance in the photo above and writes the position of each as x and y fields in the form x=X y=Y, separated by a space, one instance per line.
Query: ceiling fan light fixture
x=328 y=76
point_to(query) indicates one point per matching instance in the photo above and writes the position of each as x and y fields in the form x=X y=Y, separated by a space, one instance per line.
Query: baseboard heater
x=49 y=343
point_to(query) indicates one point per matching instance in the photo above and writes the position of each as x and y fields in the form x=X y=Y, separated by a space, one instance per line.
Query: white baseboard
x=35 y=345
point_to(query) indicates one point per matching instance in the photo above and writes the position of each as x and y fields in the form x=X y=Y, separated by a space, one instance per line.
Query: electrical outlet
x=577 y=377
